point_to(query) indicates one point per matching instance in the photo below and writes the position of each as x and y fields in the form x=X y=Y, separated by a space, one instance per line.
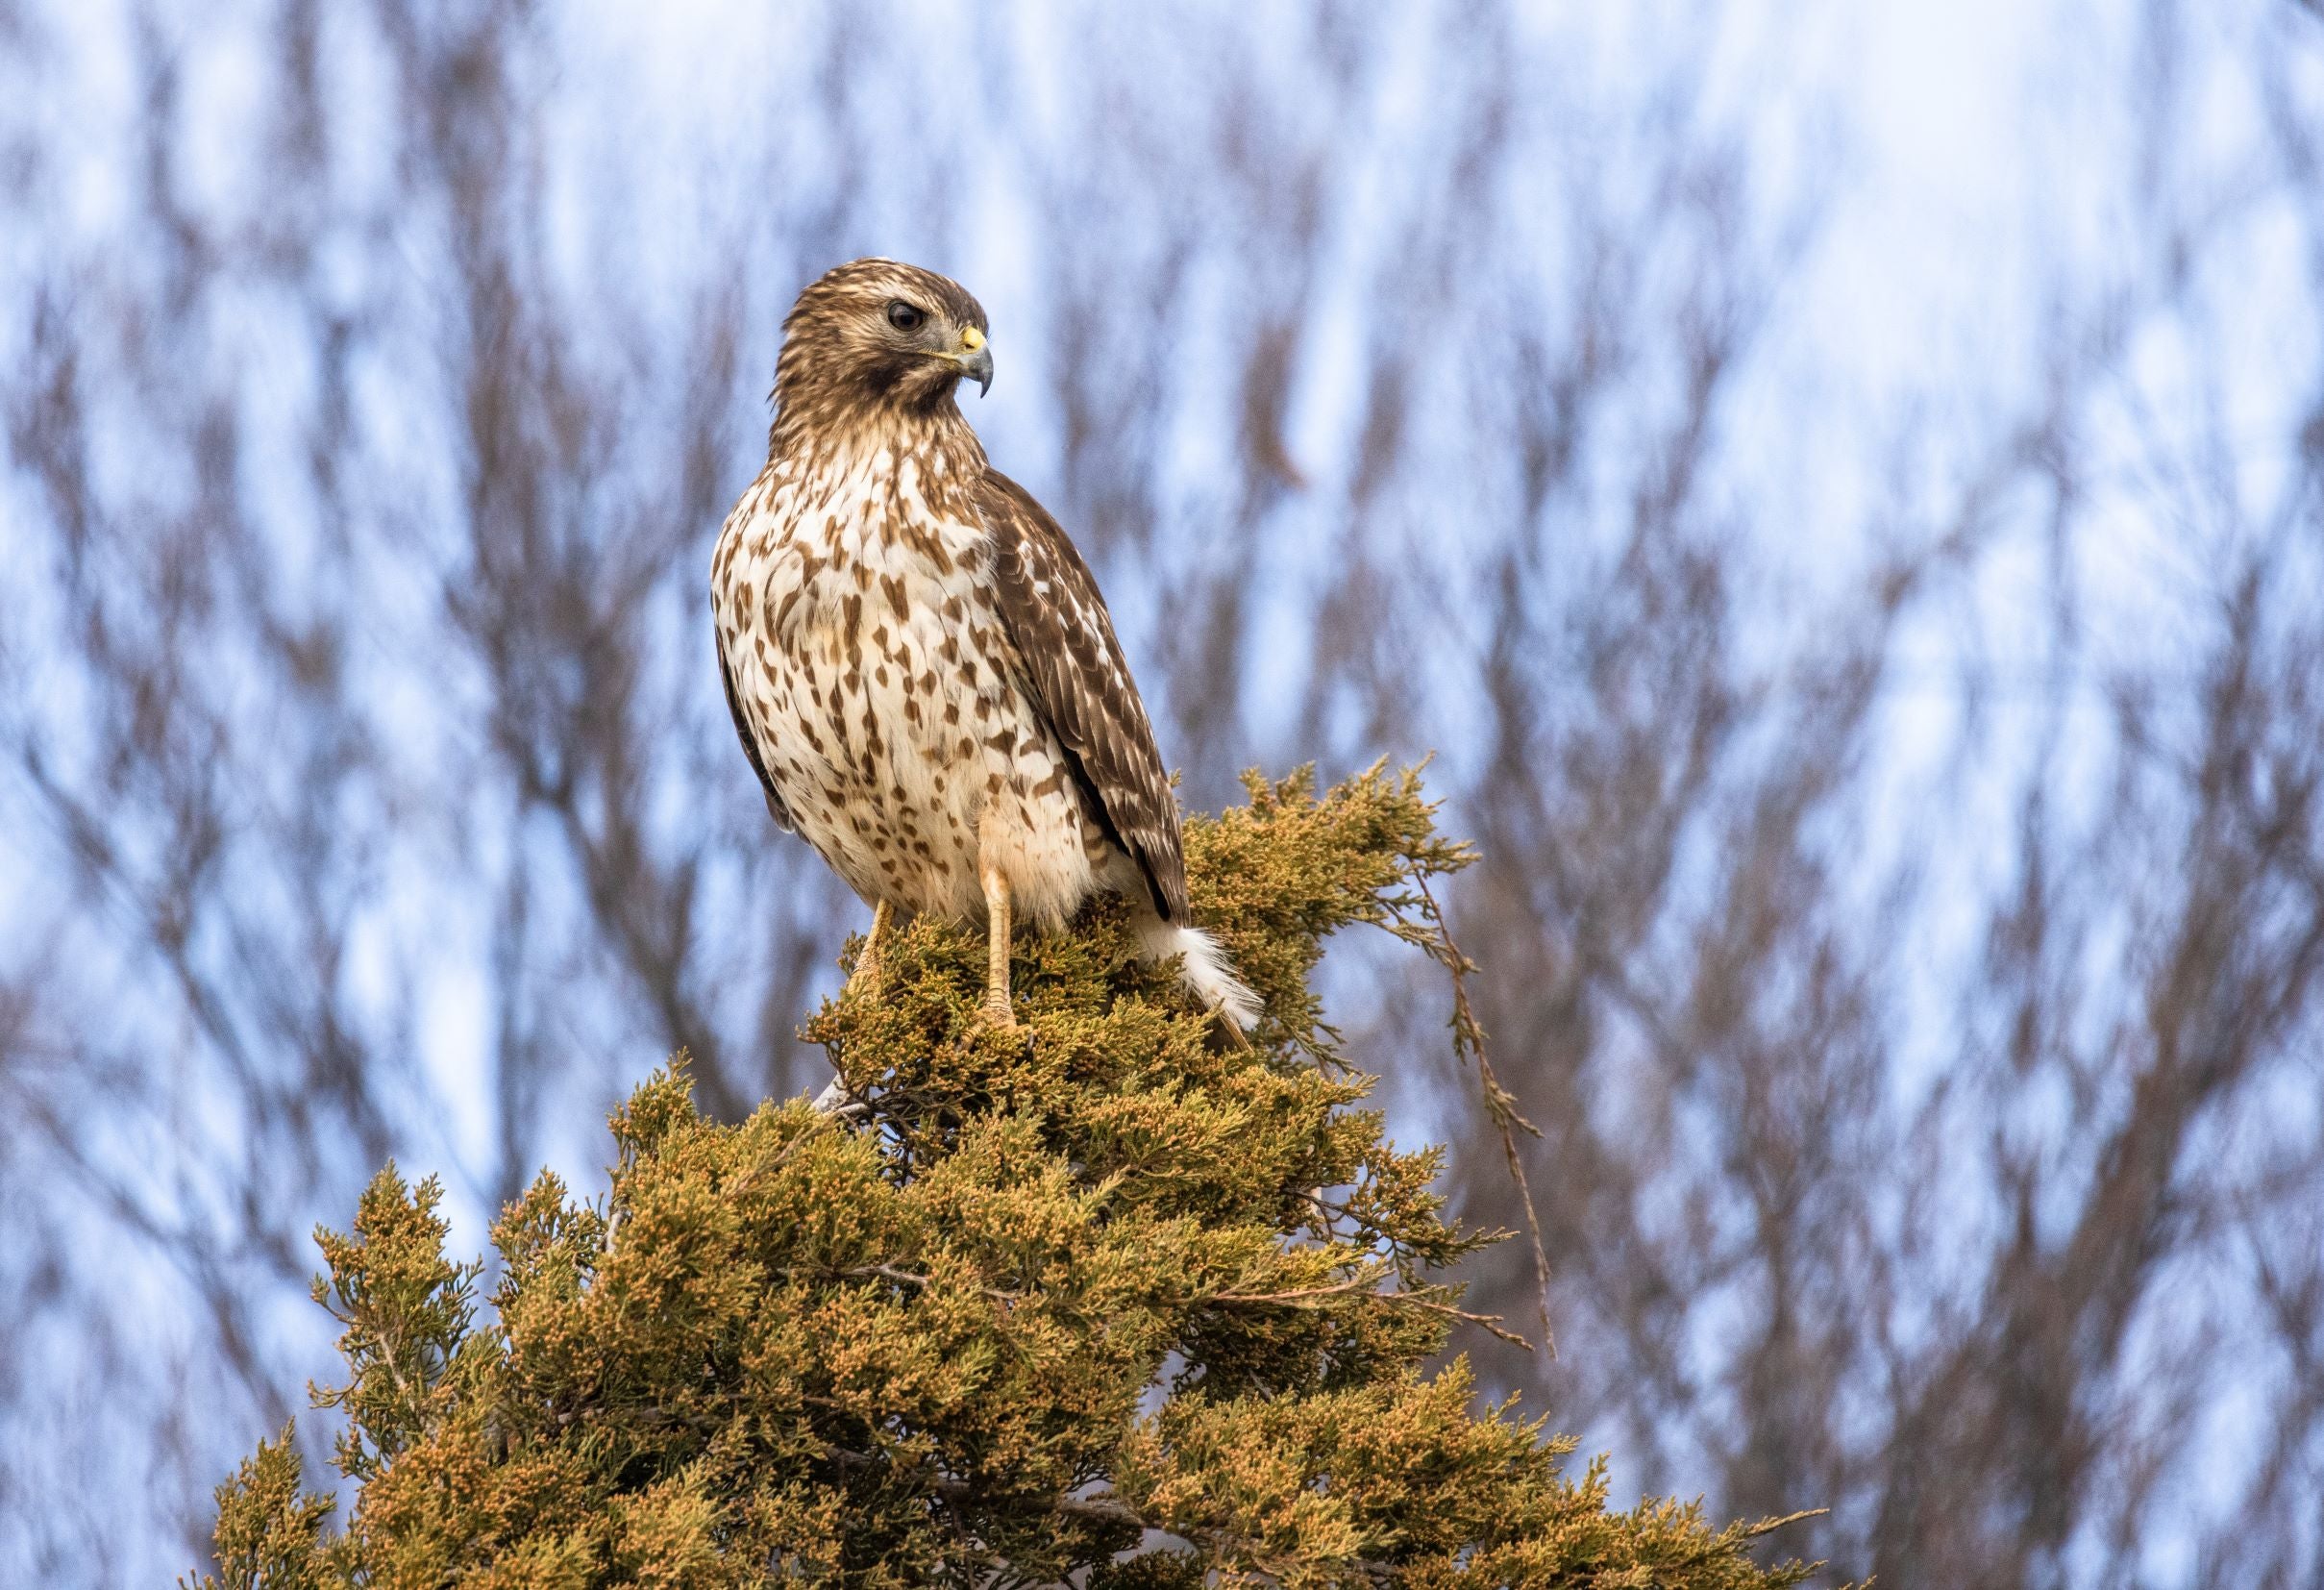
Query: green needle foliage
x=1109 y=1301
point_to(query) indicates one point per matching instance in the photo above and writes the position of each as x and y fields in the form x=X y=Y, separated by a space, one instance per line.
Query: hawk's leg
x=864 y=979
x=996 y=911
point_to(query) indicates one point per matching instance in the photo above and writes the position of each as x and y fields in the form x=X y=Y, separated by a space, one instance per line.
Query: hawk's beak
x=976 y=359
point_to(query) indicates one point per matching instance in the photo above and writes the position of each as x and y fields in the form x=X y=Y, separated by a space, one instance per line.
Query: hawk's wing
x=750 y=742
x=1081 y=685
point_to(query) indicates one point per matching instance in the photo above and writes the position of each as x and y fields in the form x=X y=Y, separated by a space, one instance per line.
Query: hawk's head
x=876 y=332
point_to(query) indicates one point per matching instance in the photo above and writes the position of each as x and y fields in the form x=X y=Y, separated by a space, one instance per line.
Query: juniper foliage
x=1107 y=1302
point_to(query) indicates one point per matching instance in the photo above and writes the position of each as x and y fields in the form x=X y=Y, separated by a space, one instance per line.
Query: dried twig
x=886 y=1271
x=1097 y=1509
x=1469 y=1040
x=1313 y=1297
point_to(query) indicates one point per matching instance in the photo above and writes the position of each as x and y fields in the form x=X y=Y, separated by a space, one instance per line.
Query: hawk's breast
x=883 y=694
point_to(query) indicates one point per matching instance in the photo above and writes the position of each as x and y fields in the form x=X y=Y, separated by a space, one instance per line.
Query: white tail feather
x=1204 y=968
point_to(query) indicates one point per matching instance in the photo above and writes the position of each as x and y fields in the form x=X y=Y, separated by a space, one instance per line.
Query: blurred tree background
x=1841 y=490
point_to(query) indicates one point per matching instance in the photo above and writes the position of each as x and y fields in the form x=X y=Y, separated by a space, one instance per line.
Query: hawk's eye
x=904 y=317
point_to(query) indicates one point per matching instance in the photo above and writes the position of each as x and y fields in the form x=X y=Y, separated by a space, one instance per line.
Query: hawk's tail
x=1204 y=967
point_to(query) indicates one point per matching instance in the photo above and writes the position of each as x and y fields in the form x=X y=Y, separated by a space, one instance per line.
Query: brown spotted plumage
x=920 y=666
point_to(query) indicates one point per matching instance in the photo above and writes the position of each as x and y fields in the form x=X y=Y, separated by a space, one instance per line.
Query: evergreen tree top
x=1107 y=1302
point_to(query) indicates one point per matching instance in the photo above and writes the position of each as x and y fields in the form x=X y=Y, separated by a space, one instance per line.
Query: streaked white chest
x=881 y=687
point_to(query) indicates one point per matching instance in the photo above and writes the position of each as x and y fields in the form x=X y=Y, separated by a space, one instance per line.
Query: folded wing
x=1081 y=685
x=750 y=742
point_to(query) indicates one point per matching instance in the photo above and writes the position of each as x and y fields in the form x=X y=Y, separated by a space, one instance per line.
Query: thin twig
x=884 y=1272
x=1097 y=1509
x=1312 y=1297
x=1468 y=1039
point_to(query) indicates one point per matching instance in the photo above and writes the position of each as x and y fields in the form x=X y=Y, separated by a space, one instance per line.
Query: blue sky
x=1962 y=174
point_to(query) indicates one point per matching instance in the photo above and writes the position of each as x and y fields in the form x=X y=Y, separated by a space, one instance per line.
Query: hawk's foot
x=864 y=981
x=995 y=882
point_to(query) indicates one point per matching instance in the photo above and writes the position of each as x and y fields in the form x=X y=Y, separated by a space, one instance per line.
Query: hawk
x=920 y=666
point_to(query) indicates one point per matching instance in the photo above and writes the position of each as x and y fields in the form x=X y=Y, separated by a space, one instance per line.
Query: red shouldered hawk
x=918 y=662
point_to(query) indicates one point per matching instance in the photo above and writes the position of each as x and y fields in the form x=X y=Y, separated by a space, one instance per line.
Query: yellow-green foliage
x=1108 y=1288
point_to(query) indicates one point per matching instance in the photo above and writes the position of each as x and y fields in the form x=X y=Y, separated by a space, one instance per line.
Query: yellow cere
x=971 y=338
